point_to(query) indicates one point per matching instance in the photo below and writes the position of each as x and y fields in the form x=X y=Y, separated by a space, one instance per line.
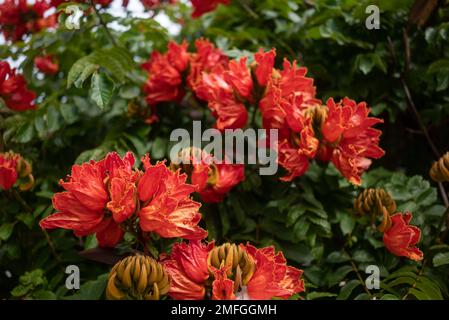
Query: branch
x=103 y=23
x=423 y=128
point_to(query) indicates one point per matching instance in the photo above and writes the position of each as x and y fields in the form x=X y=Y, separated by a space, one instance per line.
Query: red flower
x=265 y=65
x=401 y=238
x=214 y=180
x=224 y=178
x=201 y=7
x=154 y=4
x=187 y=266
x=13 y=89
x=8 y=169
x=230 y=272
x=17 y=18
x=164 y=77
x=206 y=58
x=96 y=199
x=348 y=131
x=239 y=77
x=46 y=64
x=167 y=208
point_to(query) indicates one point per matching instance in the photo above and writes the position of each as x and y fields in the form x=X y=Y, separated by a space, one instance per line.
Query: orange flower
x=166 y=206
x=98 y=196
x=288 y=93
x=351 y=140
x=187 y=267
x=272 y=278
x=401 y=238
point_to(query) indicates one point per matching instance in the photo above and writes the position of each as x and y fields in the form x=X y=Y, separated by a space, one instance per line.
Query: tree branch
x=103 y=23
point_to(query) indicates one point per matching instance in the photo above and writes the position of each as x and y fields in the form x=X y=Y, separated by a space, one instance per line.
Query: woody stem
x=423 y=128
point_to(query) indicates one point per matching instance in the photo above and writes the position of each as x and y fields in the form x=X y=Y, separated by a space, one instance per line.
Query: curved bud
x=137 y=278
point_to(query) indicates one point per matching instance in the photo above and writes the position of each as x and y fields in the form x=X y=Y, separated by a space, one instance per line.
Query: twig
x=103 y=23
x=249 y=10
x=418 y=276
x=423 y=128
x=47 y=236
x=356 y=270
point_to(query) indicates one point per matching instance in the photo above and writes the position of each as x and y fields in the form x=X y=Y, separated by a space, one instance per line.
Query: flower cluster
x=213 y=178
x=18 y=18
x=109 y=196
x=13 y=89
x=203 y=271
x=338 y=132
x=400 y=238
x=14 y=168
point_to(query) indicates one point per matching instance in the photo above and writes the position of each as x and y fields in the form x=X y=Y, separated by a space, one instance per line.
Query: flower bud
x=238 y=264
x=376 y=202
x=439 y=172
x=137 y=278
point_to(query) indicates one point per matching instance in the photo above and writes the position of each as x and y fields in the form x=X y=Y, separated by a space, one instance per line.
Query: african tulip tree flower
x=214 y=180
x=264 y=66
x=204 y=60
x=13 y=168
x=18 y=18
x=201 y=7
x=200 y=271
x=13 y=89
x=101 y=195
x=288 y=93
x=220 y=94
x=401 y=238
x=164 y=74
x=46 y=64
x=166 y=205
x=349 y=138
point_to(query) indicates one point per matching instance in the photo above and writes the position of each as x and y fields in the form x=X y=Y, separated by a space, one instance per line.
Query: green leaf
x=20 y=290
x=117 y=61
x=346 y=291
x=101 y=89
x=6 y=231
x=317 y=295
x=91 y=290
x=80 y=71
x=438 y=65
x=389 y=296
x=347 y=224
x=338 y=275
x=441 y=259
x=27 y=219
